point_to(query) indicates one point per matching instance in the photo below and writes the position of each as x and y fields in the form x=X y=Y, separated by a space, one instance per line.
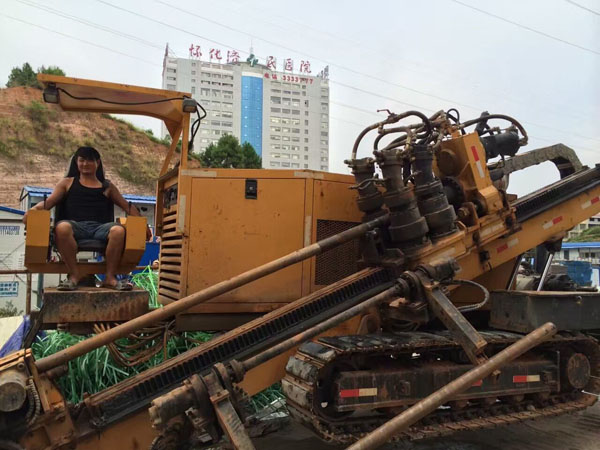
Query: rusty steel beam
x=204 y=295
x=430 y=403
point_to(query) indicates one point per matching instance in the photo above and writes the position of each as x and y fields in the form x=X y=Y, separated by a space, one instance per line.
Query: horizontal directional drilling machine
x=424 y=337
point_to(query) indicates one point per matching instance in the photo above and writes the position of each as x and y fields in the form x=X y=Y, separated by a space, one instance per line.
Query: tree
x=228 y=153
x=25 y=76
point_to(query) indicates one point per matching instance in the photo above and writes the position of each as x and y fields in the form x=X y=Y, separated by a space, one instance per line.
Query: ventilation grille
x=339 y=262
x=169 y=276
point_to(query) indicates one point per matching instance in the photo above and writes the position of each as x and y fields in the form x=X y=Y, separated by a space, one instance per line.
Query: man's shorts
x=89 y=229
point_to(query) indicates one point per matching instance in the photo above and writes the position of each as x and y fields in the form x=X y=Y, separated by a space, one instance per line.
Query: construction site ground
x=579 y=431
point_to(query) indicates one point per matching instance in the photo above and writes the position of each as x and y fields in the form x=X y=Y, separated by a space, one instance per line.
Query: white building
x=13 y=288
x=285 y=116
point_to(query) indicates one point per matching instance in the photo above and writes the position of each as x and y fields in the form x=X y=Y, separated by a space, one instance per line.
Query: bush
x=9 y=310
x=38 y=113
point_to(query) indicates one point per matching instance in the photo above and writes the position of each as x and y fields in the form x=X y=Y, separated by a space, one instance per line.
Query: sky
x=538 y=61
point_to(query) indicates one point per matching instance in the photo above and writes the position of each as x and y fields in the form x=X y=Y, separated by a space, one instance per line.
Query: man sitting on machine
x=84 y=202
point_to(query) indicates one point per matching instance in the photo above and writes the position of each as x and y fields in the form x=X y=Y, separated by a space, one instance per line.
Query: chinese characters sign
x=271 y=63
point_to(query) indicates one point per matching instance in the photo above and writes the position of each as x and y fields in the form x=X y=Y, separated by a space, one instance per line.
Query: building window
x=215 y=123
x=306 y=157
x=295 y=156
x=285 y=120
x=276 y=91
x=323 y=125
x=275 y=147
x=285 y=164
x=295 y=111
x=275 y=155
x=285 y=138
x=323 y=167
x=193 y=90
x=295 y=139
x=323 y=159
x=323 y=142
x=324 y=134
x=276 y=100
x=171 y=78
x=276 y=129
x=285 y=111
x=295 y=166
x=227 y=105
x=324 y=107
x=171 y=87
x=285 y=130
x=169 y=70
x=193 y=64
x=275 y=120
x=305 y=165
x=275 y=138
x=275 y=110
x=274 y=163
x=306 y=140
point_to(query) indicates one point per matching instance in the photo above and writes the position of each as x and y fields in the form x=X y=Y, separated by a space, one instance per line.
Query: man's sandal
x=122 y=285
x=66 y=285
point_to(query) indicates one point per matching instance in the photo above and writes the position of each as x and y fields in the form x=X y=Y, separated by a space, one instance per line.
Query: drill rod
x=222 y=287
x=430 y=403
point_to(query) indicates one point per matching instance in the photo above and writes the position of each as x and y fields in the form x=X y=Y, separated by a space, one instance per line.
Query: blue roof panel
x=12 y=210
x=581 y=245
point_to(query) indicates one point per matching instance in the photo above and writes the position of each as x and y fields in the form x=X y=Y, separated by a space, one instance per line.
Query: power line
x=454 y=103
x=348 y=69
x=525 y=27
x=202 y=37
x=80 y=40
x=583 y=7
x=59 y=13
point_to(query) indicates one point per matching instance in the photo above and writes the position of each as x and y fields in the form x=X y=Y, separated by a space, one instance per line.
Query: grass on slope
x=40 y=129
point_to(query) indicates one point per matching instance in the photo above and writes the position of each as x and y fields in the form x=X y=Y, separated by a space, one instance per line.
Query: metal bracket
x=467 y=336
x=226 y=414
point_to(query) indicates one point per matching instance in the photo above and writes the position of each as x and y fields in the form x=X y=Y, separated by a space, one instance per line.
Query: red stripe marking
x=520 y=379
x=345 y=393
x=502 y=248
x=557 y=220
x=595 y=200
x=478 y=383
x=475 y=154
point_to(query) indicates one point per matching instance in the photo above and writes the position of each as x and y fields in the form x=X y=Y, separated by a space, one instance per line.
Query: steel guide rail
x=116 y=402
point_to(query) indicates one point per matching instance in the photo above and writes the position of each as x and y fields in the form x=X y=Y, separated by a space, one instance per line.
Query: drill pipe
x=185 y=303
x=430 y=403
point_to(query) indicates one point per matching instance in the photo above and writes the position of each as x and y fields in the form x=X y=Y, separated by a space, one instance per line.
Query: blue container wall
x=579 y=271
x=252 y=112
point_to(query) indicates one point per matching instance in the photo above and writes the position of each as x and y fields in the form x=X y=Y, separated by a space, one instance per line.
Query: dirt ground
x=580 y=431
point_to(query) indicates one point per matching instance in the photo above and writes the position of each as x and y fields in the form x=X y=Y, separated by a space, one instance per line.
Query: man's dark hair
x=89 y=153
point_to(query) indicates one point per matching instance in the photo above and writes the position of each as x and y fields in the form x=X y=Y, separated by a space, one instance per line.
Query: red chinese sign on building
x=271 y=64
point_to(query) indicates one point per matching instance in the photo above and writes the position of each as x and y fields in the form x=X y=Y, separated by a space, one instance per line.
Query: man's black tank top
x=84 y=203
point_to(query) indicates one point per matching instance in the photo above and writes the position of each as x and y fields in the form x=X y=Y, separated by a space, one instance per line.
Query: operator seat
x=39 y=242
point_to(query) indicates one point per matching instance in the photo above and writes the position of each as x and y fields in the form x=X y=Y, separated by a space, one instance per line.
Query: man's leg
x=114 y=250
x=67 y=247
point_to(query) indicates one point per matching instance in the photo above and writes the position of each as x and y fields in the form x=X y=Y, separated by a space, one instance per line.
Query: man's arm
x=55 y=197
x=119 y=200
